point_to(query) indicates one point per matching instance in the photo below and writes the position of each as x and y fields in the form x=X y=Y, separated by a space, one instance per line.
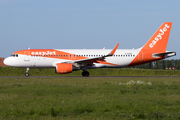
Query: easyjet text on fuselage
x=43 y=53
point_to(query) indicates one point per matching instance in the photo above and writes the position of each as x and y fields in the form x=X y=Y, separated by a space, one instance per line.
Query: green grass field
x=11 y=71
x=89 y=98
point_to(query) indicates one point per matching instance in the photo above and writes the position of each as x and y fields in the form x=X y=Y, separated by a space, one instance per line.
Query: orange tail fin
x=158 y=42
x=155 y=48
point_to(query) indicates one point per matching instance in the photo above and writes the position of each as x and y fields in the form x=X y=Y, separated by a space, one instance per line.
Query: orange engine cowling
x=63 y=68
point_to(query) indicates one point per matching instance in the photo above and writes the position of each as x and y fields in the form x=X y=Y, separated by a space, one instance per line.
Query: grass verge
x=11 y=71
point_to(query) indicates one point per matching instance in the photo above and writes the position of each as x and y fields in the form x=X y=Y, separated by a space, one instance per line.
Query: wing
x=89 y=61
x=95 y=59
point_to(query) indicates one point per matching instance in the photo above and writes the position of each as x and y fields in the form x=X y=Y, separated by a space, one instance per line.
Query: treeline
x=161 y=64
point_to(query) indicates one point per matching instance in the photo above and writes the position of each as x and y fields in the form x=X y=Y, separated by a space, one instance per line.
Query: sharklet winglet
x=114 y=50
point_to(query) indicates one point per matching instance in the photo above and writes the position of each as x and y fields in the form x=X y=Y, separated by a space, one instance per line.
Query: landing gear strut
x=85 y=73
x=27 y=72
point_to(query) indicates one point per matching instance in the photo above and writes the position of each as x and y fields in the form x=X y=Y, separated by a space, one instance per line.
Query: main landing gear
x=85 y=73
x=27 y=72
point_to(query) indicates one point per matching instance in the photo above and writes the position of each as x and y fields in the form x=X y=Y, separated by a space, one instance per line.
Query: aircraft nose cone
x=7 y=62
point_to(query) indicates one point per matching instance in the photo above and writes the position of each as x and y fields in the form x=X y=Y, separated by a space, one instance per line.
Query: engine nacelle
x=63 y=68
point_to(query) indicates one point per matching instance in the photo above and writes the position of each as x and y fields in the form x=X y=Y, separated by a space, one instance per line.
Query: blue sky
x=78 y=24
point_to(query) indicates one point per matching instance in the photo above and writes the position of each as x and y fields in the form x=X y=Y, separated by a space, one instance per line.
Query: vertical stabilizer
x=155 y=46
x=158 y=42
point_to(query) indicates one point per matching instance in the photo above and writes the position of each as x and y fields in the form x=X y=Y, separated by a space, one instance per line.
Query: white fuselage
x=122 y=58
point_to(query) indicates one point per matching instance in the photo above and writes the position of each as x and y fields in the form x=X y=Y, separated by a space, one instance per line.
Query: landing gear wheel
x=27 y=74
x=85 y=73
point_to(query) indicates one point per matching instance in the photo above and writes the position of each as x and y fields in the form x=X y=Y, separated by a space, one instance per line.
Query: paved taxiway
x=90 y=77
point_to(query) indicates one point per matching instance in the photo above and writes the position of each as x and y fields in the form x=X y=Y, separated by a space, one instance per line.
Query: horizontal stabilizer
x=167 y=54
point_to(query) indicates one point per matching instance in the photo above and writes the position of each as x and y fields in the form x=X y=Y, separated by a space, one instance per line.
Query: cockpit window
x=14 y=55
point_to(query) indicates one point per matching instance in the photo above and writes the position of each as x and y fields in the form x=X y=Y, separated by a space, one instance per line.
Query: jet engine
x=63 y=68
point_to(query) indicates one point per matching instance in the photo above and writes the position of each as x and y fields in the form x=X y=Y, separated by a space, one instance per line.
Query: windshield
x=14 y=55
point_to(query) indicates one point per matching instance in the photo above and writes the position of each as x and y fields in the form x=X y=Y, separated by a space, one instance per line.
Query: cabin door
x=26 y=56
x=140 y=56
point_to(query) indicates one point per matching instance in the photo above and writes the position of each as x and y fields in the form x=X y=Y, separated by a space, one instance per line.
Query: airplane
x=69 y=60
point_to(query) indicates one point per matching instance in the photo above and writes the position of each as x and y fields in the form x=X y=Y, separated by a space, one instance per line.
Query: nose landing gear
x=27 y=72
